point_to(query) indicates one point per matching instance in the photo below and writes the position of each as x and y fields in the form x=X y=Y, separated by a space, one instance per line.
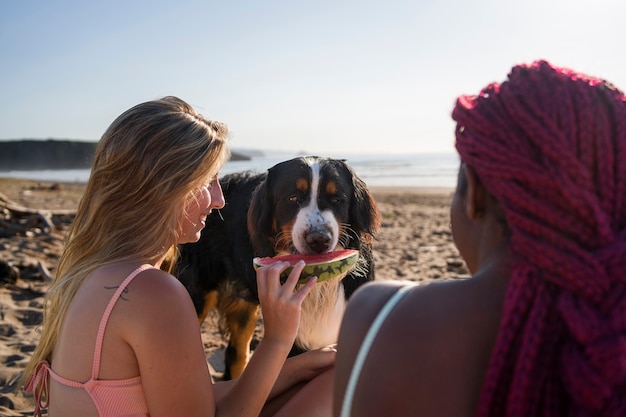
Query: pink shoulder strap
x=105 y=318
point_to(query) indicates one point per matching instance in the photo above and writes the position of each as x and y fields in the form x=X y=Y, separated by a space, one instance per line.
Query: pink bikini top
x=124 y=397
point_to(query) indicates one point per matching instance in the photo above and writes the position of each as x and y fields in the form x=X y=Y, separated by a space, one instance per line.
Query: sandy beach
x=414 y=244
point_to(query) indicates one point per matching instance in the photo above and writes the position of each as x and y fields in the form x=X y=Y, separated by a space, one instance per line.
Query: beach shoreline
x=414 y=243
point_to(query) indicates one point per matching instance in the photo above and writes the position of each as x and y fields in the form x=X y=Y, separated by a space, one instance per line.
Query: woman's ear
x=475 y=194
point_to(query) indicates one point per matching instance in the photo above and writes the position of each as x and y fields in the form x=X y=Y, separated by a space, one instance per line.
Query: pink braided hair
x=550 y=145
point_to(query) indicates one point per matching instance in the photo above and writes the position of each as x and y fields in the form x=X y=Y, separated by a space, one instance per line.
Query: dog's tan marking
x=302 y=184
x=283 y=242
x=331 y=188
x=241 y=318
x=210 y=302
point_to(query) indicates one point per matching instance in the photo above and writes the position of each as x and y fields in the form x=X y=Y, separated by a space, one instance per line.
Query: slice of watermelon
x=325 y=266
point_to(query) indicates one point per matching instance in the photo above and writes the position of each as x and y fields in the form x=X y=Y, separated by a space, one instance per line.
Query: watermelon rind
x=342 y=262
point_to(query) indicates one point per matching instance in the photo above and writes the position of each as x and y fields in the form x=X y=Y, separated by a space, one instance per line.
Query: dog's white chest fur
x=322 y=311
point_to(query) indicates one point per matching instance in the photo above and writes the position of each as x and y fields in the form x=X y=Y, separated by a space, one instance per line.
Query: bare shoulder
x=164 y=334
x=430 y=354
x=369 y=298
x=161 y=300
x=155 y=285
x=362 y=310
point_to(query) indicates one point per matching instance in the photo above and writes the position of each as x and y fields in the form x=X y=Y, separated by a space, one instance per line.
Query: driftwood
x=43 y=271
x=16 y=219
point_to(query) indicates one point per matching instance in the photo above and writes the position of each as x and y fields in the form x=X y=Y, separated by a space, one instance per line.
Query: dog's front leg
x=241 y=317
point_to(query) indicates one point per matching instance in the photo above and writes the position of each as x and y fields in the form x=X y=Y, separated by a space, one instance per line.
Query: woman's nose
x=217 y=197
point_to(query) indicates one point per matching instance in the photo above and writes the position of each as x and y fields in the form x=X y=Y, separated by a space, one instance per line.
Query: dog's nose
x=318 y=242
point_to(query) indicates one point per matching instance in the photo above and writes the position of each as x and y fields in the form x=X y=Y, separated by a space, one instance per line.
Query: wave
x=411 y=170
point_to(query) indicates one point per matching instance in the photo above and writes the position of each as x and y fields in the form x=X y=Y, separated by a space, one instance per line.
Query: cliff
x=32 y=154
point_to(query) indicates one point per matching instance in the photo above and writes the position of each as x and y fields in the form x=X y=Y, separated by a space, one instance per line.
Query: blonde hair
x=146 y=165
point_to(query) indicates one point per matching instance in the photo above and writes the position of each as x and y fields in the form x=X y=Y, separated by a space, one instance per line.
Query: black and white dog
x=305 y=205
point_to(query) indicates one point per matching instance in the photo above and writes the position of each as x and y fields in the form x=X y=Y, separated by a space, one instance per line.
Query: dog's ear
x=261 y=219
x=365 y=217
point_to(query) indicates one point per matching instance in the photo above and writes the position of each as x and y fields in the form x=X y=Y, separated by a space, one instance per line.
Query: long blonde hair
x=146 y=165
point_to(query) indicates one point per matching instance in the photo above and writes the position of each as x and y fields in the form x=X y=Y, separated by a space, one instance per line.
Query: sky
x=316 y=76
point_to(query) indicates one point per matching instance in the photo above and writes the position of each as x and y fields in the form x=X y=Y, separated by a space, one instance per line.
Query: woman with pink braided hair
x=539 y=215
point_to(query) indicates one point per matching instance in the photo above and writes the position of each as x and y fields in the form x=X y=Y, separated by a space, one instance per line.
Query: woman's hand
x=304 y=367
x=281 y=304
x=309 y=364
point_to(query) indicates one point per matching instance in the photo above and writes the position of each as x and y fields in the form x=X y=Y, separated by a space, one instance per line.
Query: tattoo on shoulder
x=125 y=292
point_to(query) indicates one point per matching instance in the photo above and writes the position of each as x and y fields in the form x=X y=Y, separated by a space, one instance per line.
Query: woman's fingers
x=268 y=279
x=294 y=276
x=289 y=287
x=281 y=304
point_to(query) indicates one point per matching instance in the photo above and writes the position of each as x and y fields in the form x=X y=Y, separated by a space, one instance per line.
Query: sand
x=414 y=243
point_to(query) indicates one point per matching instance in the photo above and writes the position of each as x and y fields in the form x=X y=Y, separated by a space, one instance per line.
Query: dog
x=305 y=205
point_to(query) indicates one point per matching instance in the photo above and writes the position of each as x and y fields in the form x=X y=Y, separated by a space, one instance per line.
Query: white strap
x=346 y=408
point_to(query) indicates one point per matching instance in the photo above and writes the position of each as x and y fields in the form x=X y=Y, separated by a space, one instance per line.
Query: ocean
x=380 y=170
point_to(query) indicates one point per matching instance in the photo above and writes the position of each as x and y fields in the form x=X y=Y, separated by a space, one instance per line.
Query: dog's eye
x=294 y=199
x=335 y=200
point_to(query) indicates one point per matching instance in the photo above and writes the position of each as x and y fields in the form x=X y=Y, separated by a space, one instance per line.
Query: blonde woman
x=120 y=335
